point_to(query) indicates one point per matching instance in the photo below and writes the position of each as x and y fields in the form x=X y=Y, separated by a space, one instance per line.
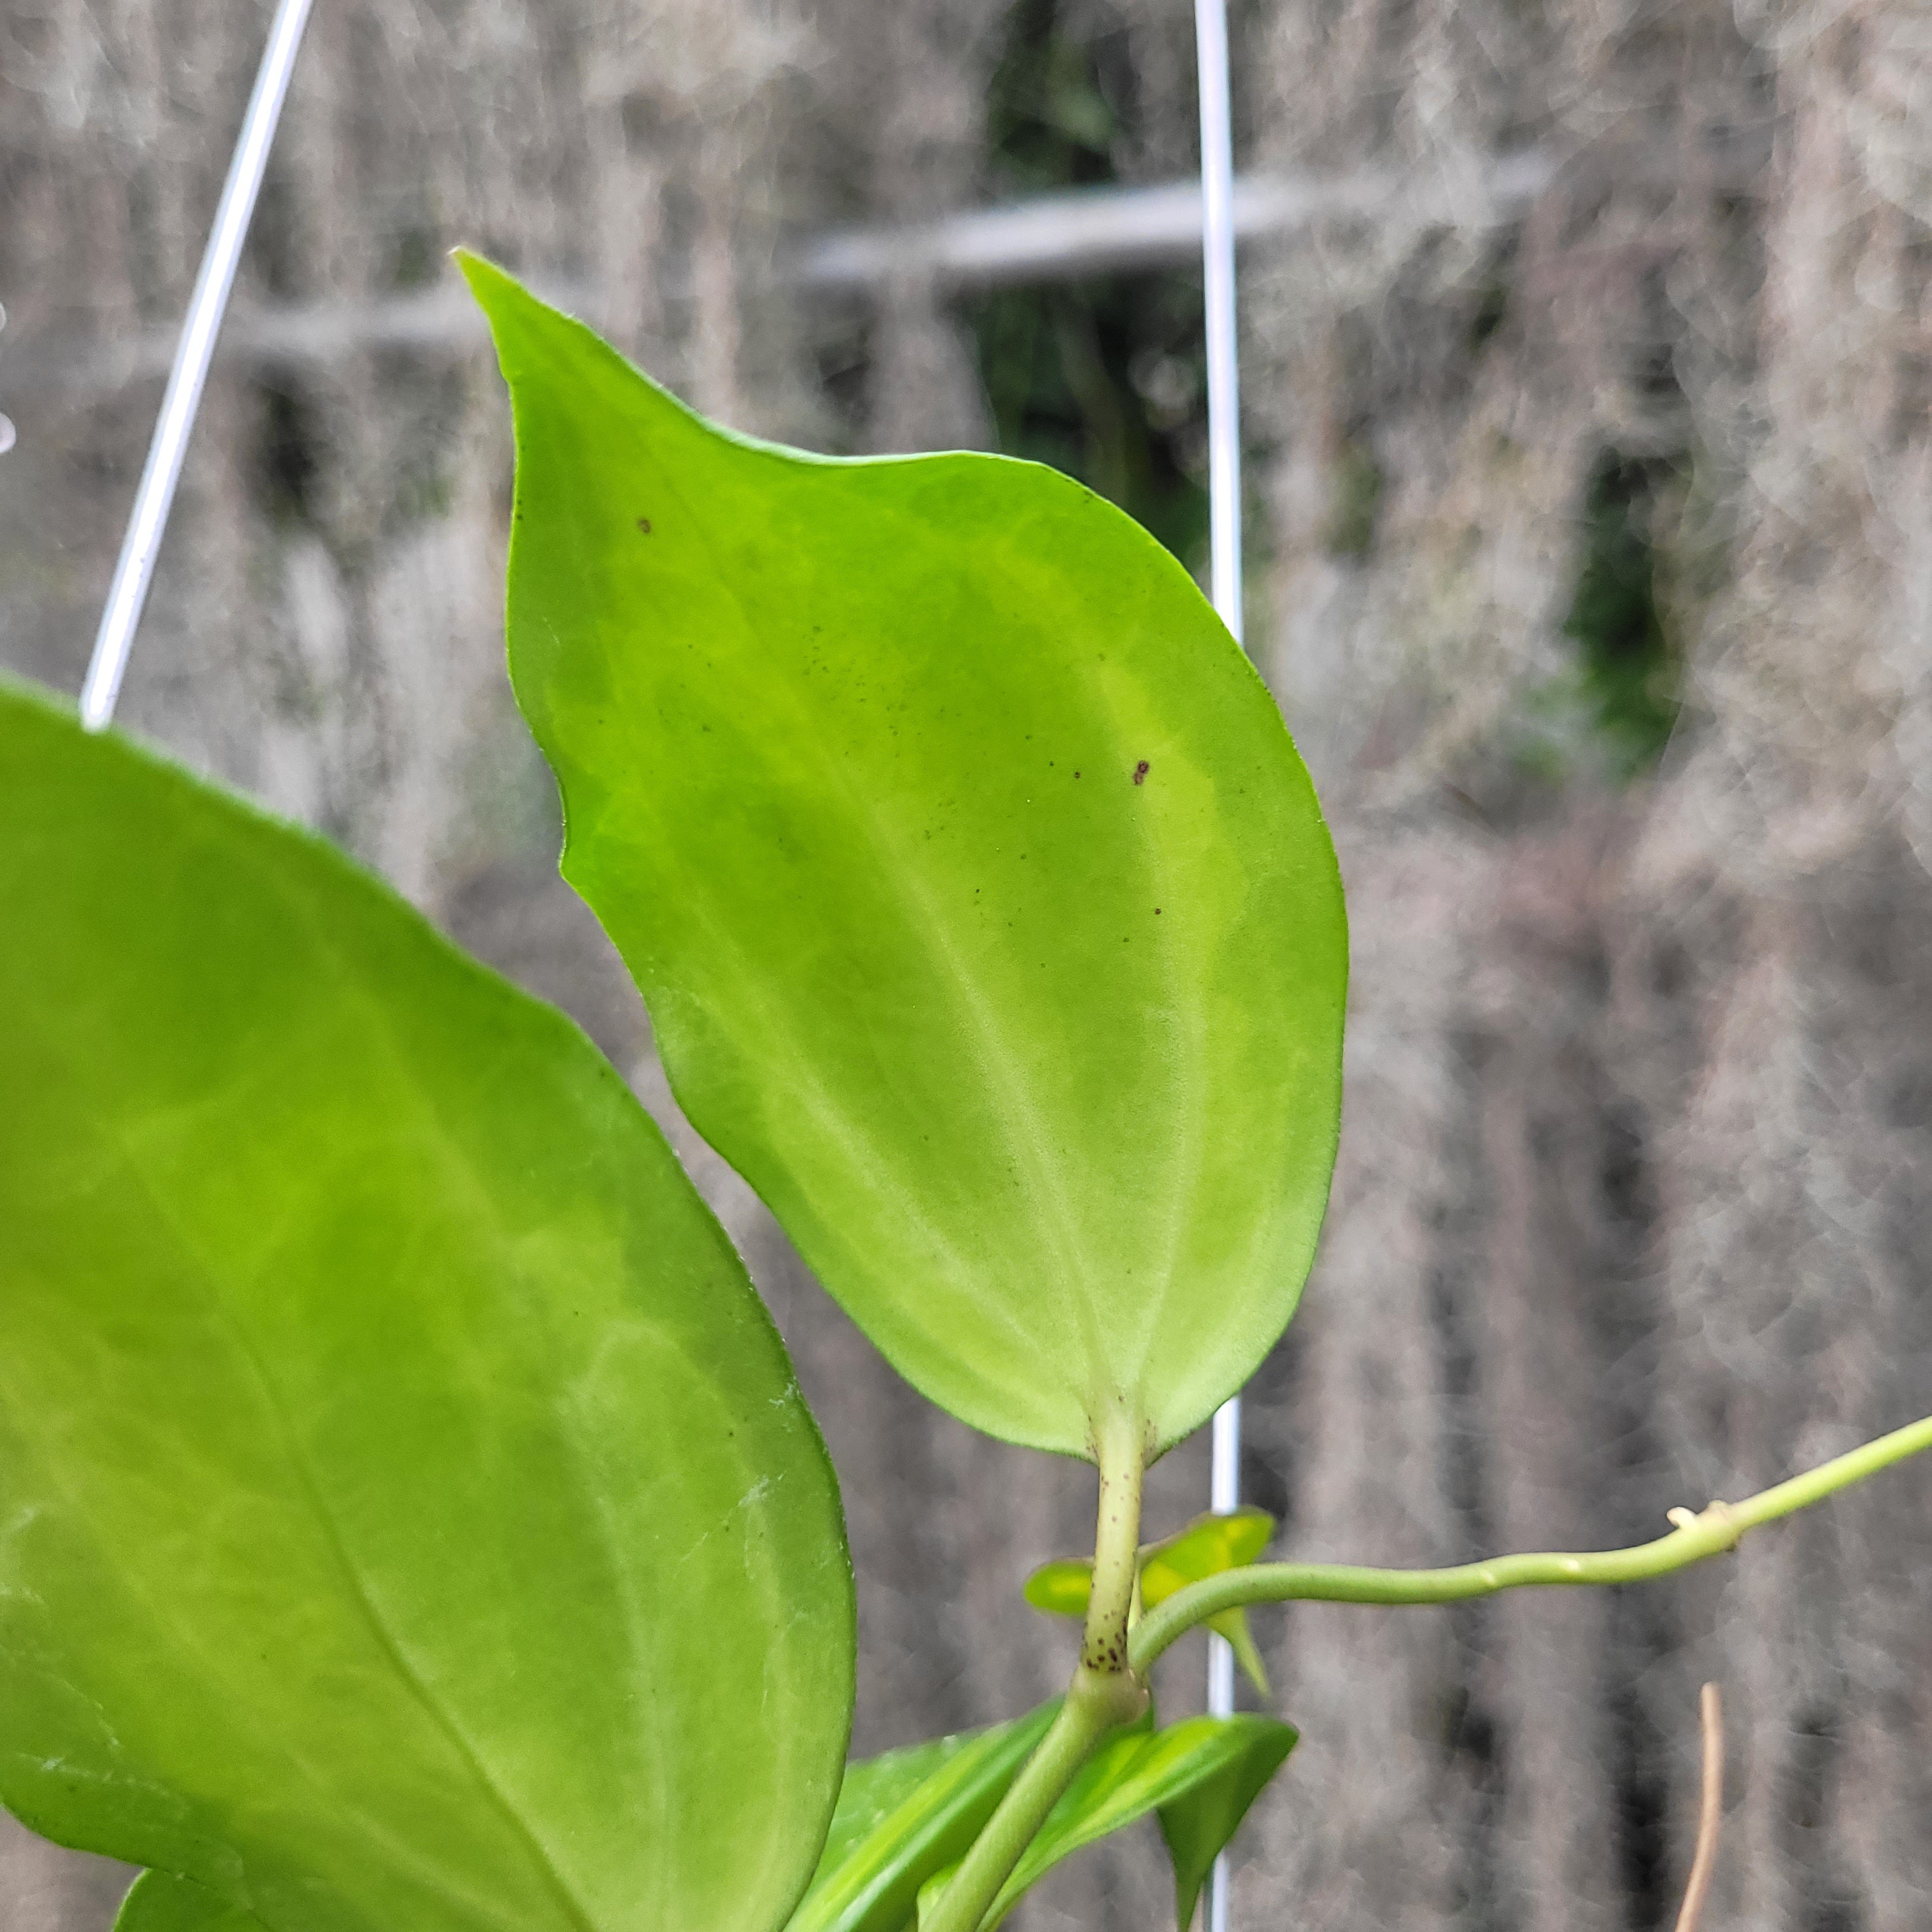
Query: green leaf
x=1232 y=1625
x=1203 y=1547
x=1138 y=1771
x=874 y=1788
x=906 y=1814
x=984 y=912
x=1207 y=1544
x=159 y=1902
x=1199 y=1823
x=408 y=1518
x=1062 y=1588
x=932 y=1891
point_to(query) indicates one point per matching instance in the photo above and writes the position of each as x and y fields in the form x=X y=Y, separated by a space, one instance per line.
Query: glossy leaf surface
x=984 y=910
x=160 y=1902
x=409 y=1517
x=906 y=1814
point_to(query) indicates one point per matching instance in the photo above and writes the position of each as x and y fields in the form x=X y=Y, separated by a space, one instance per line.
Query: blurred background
x=1587 y=354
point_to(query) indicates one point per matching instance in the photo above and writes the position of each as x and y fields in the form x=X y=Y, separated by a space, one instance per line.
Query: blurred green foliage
x=1357 y=495
x=1615 y=707
x=1104 y=379
x=1626 y=671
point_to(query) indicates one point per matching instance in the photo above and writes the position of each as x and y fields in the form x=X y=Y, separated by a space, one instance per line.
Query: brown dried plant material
x=1710 y=1810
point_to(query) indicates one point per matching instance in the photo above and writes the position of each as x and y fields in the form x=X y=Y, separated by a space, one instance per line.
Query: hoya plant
x=409 y=1519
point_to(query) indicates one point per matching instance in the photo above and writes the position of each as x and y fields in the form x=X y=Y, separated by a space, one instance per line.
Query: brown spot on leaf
x=1141 y=772
x=644 y=524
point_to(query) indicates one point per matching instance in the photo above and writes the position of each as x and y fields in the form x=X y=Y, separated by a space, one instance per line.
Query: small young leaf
x=1137 y=1772
x=1207 y=1544
x=160 y=1902
x=1199 y=1823
x=1204 y=1547
x=1061 y=1589
x=905 y=1815
x=874 y=1788
x=986 y=915
x=410 y=1520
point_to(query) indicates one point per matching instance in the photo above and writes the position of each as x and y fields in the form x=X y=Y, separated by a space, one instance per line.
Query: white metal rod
x=1217 y=264
x=1224 y=1495
x=155 y=495
x=1224 y=500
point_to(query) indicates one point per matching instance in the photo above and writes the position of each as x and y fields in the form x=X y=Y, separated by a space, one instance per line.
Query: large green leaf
x=160 y=1902
x=408 y=1518
x=904 y=1816
x=984 y=910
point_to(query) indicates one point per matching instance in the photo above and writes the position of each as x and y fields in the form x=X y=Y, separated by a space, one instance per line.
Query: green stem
x=1095 y=1703
x=1715 y=1529
x=1104 y=1692
x=1116 y=1546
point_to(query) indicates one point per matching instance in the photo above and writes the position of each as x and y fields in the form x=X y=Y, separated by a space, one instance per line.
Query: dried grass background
x=1636 y=1196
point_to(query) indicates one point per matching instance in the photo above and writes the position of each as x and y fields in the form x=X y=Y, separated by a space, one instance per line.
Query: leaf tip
x=487 y=282
x=523 y=325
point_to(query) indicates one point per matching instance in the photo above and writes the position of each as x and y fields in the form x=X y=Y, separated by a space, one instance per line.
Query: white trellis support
x=154 y=498
x=1224 y=497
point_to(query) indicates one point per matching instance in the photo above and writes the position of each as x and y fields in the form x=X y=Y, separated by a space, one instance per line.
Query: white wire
x=1217 y=263
x=1224 y=501
x=154 y=497
x=1224 y=1495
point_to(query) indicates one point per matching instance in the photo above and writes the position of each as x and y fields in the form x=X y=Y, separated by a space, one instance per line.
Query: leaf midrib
x=207 y=1276
x=1032 y=1147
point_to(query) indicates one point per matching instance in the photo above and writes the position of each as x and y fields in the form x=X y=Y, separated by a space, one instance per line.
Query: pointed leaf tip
x=1199 y=1823
x=488 y=281
x=490 y=285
